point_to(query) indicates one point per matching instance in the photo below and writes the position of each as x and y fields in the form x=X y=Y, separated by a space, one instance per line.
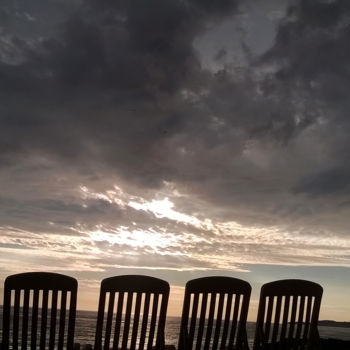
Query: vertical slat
x=300 y=317
x=161 y=325
x=33 y=338
x=307 y=319
x=6 y=318
x=201 y=321
x=127 y=322
x=72 y=315
x=227 y=321
x=118 y=320
x=144 y=321
x=218 y=321
x=183 y=339
x=234 y=319
x=292 y=317
x=109 y=320
x=43 y=320
x=285 y=318
x=62 y=319
x=268 y=317
x=210 y=320
x=136 y=321
x=100 y=316
x=277 y=319
x=16 y=319
x=25 y=319
x=53 y=319
x=153 y=320
x=193 y=318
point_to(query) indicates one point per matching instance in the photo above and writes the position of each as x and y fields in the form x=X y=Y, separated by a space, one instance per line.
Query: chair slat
x=136 y=320
x=234 y=319
x=16 y=318
x=100 y=316
x=277 y=319
x=307 y=319
x=193 y=319
x=210 y=321
x=144 y=321
x=33 y=337
x=118 y=320
x=201 y=321
x=227 y=321
x=285 y=318
x=300 y=317
x=72 y=315
x=268 y=317
x=44 y=320
x=292 y=317
x=109 y=320
x=62 y=319
x=218 y=321
x=153 y=319
x=127 y=321
x=53 y=319
x=25 y=319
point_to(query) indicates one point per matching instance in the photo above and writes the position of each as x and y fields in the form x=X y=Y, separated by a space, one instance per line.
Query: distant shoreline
x=329 y=323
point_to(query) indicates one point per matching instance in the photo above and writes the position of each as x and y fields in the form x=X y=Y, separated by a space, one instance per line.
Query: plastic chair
x=30 y=300
x=137 y=298
x=220 y=304
x=288 y=315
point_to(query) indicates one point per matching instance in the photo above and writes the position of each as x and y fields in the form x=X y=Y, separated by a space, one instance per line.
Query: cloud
x=207 y=162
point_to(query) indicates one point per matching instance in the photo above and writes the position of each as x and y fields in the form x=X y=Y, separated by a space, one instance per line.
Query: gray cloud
x=116 y=92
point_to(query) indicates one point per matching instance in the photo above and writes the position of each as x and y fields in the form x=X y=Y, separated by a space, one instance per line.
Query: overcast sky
x=177 y=138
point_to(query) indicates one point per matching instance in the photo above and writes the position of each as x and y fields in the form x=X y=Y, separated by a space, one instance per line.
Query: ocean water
x=86 y=324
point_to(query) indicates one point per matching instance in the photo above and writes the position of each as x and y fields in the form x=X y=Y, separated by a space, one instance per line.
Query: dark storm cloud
x=106 y=84
x=312 y=53
x=119 y=88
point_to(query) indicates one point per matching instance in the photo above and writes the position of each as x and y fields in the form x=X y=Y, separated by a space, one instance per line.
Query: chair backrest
x=131 y=313
x=220 y=305
x=37 y=301
x=288 y=315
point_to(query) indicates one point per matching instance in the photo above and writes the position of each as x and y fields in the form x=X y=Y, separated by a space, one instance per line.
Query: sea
x=86 y=325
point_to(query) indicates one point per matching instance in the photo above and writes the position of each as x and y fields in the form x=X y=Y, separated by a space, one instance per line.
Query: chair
x=221 y=305
x=137 y=298
x=39 y=301
x=288 y=315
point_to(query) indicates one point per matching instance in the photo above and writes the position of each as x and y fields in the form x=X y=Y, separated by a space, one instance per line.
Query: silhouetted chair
x=124 y=302
x=288 y=315
x=30 y=301
x=220 y=304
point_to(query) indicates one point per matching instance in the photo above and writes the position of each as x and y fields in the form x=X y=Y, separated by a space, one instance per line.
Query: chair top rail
x=291 y=287
x=218 y=284
x=134 y=284
x=41 y=280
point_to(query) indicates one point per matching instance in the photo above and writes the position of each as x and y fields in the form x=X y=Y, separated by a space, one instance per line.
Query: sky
x=177 y=139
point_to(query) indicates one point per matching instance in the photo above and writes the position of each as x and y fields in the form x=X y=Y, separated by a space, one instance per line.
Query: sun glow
x=133 y=238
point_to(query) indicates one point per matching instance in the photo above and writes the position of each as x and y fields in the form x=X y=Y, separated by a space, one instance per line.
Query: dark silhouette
x=39 y=294
x=232 y=307
x=297 y=302
x=147 y=297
